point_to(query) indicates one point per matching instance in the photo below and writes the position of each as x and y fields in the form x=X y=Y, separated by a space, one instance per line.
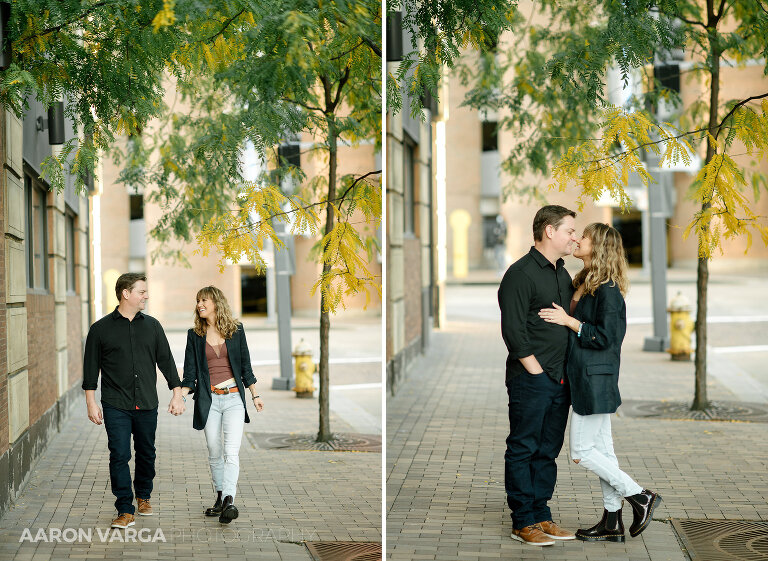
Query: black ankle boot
x=609 y=529
x=215 y=510
x=228 y=511
x=643 y=504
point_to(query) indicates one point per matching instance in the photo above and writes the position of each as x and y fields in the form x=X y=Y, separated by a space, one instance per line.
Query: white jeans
x=223 y=433
x=592 y=444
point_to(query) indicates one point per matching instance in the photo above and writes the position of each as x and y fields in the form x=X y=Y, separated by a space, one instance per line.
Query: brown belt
x=224 y=391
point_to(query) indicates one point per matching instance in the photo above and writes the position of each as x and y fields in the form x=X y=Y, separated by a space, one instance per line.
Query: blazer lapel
x=233 y=350
x=203 y=360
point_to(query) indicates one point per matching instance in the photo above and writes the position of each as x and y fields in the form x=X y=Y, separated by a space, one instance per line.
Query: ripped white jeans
x=592 y=444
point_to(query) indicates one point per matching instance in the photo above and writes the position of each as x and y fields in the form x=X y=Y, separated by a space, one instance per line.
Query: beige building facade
x=126 y=219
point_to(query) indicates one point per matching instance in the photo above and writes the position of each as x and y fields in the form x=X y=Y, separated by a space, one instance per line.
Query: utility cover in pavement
x=723 y=540
x=717 y=411
x=344 y=551
x=339 y=442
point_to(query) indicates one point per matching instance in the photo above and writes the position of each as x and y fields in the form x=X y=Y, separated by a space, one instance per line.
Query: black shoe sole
x=228 y=515
x=617 y=539
x=656 y=502
x=209 y=512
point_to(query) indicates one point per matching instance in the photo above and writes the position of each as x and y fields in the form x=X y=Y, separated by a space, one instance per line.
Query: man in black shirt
x=126 y=346
x=538 y=394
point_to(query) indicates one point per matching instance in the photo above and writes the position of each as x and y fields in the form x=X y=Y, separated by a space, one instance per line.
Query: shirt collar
x=543 y=261
x=117 y=315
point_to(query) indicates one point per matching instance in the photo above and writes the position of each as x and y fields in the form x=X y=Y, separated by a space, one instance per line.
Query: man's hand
x=176 y=407
x=94 y=412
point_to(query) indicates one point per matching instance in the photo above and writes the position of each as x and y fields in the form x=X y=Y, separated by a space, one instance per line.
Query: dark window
x=137 y=207
x=409 y=189
x=253 y=291
x=36 y=243
x=71 y=257
x=490 y=136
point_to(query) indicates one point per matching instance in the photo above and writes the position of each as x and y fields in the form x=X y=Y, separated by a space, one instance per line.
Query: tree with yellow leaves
x=261 y=75
x=556 y=97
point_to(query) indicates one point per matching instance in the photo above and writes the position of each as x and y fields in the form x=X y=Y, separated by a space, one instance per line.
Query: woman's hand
x=555 y=315
x=258 y=404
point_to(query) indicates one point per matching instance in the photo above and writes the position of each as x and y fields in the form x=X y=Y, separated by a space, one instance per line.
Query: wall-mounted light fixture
x=54 y=123
x=5 y=42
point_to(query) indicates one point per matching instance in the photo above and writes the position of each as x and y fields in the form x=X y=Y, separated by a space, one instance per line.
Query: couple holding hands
x=125 y=347
x=564 y=341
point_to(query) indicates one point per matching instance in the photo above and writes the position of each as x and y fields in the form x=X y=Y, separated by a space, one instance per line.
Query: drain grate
x=723 y=540
x=717 y=411
x=344 y=551
x=339 y=443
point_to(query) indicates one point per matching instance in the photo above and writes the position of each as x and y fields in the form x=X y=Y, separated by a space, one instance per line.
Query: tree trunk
x=700 y=400
x=324 y=434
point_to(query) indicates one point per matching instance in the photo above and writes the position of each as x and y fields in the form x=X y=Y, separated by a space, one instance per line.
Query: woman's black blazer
x=592 y=364
x=197 y=378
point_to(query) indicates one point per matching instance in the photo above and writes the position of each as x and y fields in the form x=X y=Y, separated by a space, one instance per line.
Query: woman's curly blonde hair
x=609 y=262
x=225 y=323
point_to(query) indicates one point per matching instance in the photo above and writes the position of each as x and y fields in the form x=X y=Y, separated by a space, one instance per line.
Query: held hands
x=176 y=407
x=94 y=412
x=554 y=315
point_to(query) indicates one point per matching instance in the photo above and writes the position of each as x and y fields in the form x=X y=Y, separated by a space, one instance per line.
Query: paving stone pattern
x=446 y=429
x=284 y=497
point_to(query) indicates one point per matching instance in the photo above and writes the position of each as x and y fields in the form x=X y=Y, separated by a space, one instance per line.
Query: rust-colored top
x=218 y=363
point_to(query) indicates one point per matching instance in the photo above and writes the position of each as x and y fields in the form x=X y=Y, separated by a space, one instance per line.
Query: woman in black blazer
x=217 y=369
x=598 y=322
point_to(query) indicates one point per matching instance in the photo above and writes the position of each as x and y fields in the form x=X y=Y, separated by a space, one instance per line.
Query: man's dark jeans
x=538 y=413
x=120 y=425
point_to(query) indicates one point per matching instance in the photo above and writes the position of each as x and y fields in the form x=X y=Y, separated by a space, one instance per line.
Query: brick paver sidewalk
x=284 y=497
x=445 y=460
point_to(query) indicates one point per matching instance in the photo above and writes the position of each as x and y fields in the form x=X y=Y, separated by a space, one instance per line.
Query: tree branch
x=342 y=81
x=55 y=28
x=347 y=52
x=735 y=107
x=304 y=105
x=226 y=24
x=720 y=10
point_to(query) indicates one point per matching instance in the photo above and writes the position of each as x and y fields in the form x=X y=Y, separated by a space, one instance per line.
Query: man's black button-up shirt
x=127 y=353
x=530 y=284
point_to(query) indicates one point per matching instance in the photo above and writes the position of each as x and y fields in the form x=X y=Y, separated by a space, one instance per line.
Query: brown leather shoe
x=532 y=535
x=145 y=509
x=556 y=532
x=123 y=520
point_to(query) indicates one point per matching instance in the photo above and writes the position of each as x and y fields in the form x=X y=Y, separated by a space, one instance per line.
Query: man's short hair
x=550 y=214
x=126 y=281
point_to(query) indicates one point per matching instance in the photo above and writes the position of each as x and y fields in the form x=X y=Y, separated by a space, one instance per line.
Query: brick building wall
x=43 y=385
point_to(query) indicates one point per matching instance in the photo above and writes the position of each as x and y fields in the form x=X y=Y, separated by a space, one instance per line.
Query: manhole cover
x=344 y=551
x=717 y=411
x=723 y=540
x=339 y=443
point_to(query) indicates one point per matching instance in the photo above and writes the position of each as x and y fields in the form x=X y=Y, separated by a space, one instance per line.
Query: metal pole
x=658 y=212
x=283 y=272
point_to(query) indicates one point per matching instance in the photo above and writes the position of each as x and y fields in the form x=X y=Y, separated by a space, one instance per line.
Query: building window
x=36 y=242
x=71 y=257
x=409 y=189
x=137 y=207
x=490 y=136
